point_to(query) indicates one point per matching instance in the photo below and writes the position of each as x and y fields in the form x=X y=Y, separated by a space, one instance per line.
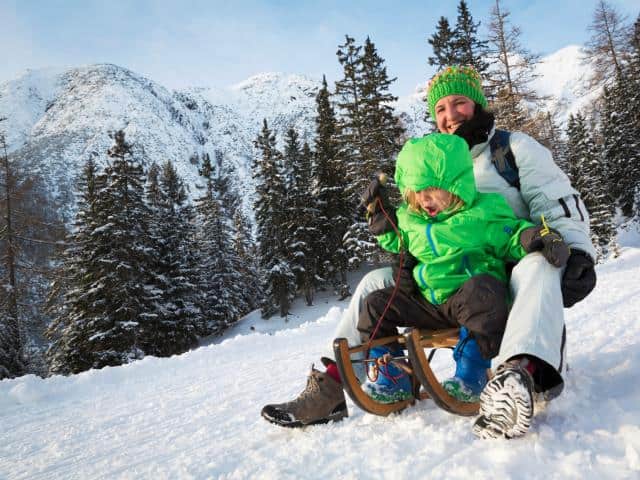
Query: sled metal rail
x=415 y=341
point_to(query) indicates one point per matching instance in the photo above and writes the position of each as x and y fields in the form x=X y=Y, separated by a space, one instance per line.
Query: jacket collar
x=481 y=147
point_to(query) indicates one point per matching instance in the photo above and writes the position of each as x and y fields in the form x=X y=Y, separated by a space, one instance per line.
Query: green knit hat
x=455 y=81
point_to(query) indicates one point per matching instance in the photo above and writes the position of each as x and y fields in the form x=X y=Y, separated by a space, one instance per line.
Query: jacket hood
x=437 y=160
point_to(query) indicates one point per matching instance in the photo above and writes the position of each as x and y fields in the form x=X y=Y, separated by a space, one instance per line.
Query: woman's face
x=453 y=110
x=433 y=200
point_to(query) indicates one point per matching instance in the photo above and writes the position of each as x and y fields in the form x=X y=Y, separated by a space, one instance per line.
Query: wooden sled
x=426 y=384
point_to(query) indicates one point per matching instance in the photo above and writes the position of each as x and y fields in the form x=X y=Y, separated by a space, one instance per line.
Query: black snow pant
x=480 y=305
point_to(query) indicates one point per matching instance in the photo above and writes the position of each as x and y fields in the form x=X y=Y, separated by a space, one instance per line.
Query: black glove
x=548 y=242
x=579 y=278
x=379 y=222
x=404 y=275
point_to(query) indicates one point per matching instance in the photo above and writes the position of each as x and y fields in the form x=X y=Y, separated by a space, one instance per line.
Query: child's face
x=452 y=111
x=433 y=200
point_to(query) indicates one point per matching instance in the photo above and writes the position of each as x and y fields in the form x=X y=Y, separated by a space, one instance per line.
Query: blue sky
x=219 y=43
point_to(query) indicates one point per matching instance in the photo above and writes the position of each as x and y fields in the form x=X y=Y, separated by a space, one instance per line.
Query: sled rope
x=377 y=366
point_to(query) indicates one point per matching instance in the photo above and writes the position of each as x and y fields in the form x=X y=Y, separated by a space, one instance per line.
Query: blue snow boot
x=471 y=370
x=386 y=381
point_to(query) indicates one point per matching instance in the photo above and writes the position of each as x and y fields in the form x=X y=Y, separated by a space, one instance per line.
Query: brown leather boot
x=321 y=401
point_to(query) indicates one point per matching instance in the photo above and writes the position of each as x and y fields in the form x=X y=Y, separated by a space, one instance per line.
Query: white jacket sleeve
x=547 y=191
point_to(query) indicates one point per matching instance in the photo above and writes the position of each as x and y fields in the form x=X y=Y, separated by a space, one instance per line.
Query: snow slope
x=198 y=415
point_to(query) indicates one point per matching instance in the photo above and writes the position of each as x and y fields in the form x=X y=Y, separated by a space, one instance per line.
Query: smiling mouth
x=432 y=212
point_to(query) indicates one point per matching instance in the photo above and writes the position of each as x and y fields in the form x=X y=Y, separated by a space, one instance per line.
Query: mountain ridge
x=57 y=118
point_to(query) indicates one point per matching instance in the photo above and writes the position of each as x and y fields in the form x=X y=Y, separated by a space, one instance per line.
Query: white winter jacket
x=544 y=189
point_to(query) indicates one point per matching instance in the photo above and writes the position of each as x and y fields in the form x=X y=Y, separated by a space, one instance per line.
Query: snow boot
x=471 y=370
x=321 y=401
x=386 y=381
x=506 y=403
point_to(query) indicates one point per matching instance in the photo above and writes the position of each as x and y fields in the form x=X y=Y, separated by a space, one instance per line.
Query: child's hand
x=548 y=242
x=381 y=216
x=375 y=189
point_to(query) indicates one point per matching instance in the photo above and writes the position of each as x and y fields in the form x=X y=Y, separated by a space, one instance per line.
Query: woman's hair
x=454 y=202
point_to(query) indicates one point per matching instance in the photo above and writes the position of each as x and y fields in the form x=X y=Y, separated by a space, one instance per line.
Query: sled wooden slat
x=416 y=342
x=352 y=384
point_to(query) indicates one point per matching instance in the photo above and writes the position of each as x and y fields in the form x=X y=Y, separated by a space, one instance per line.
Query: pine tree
x=468 y=48
x=242 y=281
x=551 y=137
x=382 y=128
x=589 y=177
x=330 y=195
x=608 y=45
x=70 y=348
x=443 y=45
x=369 y=134
x=216 y=273
x=170 y=330
x=113 y=307
x=302 y=228
x=352 y=148
x=621 y=145
x=279 y=280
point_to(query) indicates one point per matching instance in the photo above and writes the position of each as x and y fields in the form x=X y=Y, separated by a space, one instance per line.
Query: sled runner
x=425 y=383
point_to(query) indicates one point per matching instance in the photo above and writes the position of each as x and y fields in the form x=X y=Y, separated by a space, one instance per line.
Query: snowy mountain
x=56 y=119
x=563 y=78
x=197 y=415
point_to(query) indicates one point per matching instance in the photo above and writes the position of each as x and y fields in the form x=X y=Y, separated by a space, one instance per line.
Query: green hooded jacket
x=452 y=246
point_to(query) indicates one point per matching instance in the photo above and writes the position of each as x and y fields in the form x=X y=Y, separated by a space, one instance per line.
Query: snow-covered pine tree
x=241 y=279
x=468 y=48
x=215 y=249
x=369 y=134
x=352 y=150
x=550 y=135
x=512 y=70
x=382 y=129
x=121 y=259
x=621 y=144
x=443 y=46
x=173 y=278
x=589 y=176
x=302 y=217
x=245 y=250
x=271 y=222
x=70 y=350
x=632 y=100
x=329 y=194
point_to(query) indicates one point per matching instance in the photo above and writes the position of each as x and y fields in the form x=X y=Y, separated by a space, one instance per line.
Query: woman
x=531 y=353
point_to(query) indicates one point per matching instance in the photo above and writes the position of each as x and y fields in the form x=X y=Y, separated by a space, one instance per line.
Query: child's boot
x=471 y=370
x=386 y=381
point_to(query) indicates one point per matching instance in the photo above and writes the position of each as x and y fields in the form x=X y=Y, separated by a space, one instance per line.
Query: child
x=461 y=240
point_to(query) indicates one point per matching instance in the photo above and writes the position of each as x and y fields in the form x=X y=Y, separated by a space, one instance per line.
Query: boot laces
x=313 y=386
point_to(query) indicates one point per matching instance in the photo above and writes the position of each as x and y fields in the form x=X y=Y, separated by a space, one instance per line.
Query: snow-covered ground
x=198 y=415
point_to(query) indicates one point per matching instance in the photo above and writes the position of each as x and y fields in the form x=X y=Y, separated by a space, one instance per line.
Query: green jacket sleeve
x=390 y=240
x=504 y=231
